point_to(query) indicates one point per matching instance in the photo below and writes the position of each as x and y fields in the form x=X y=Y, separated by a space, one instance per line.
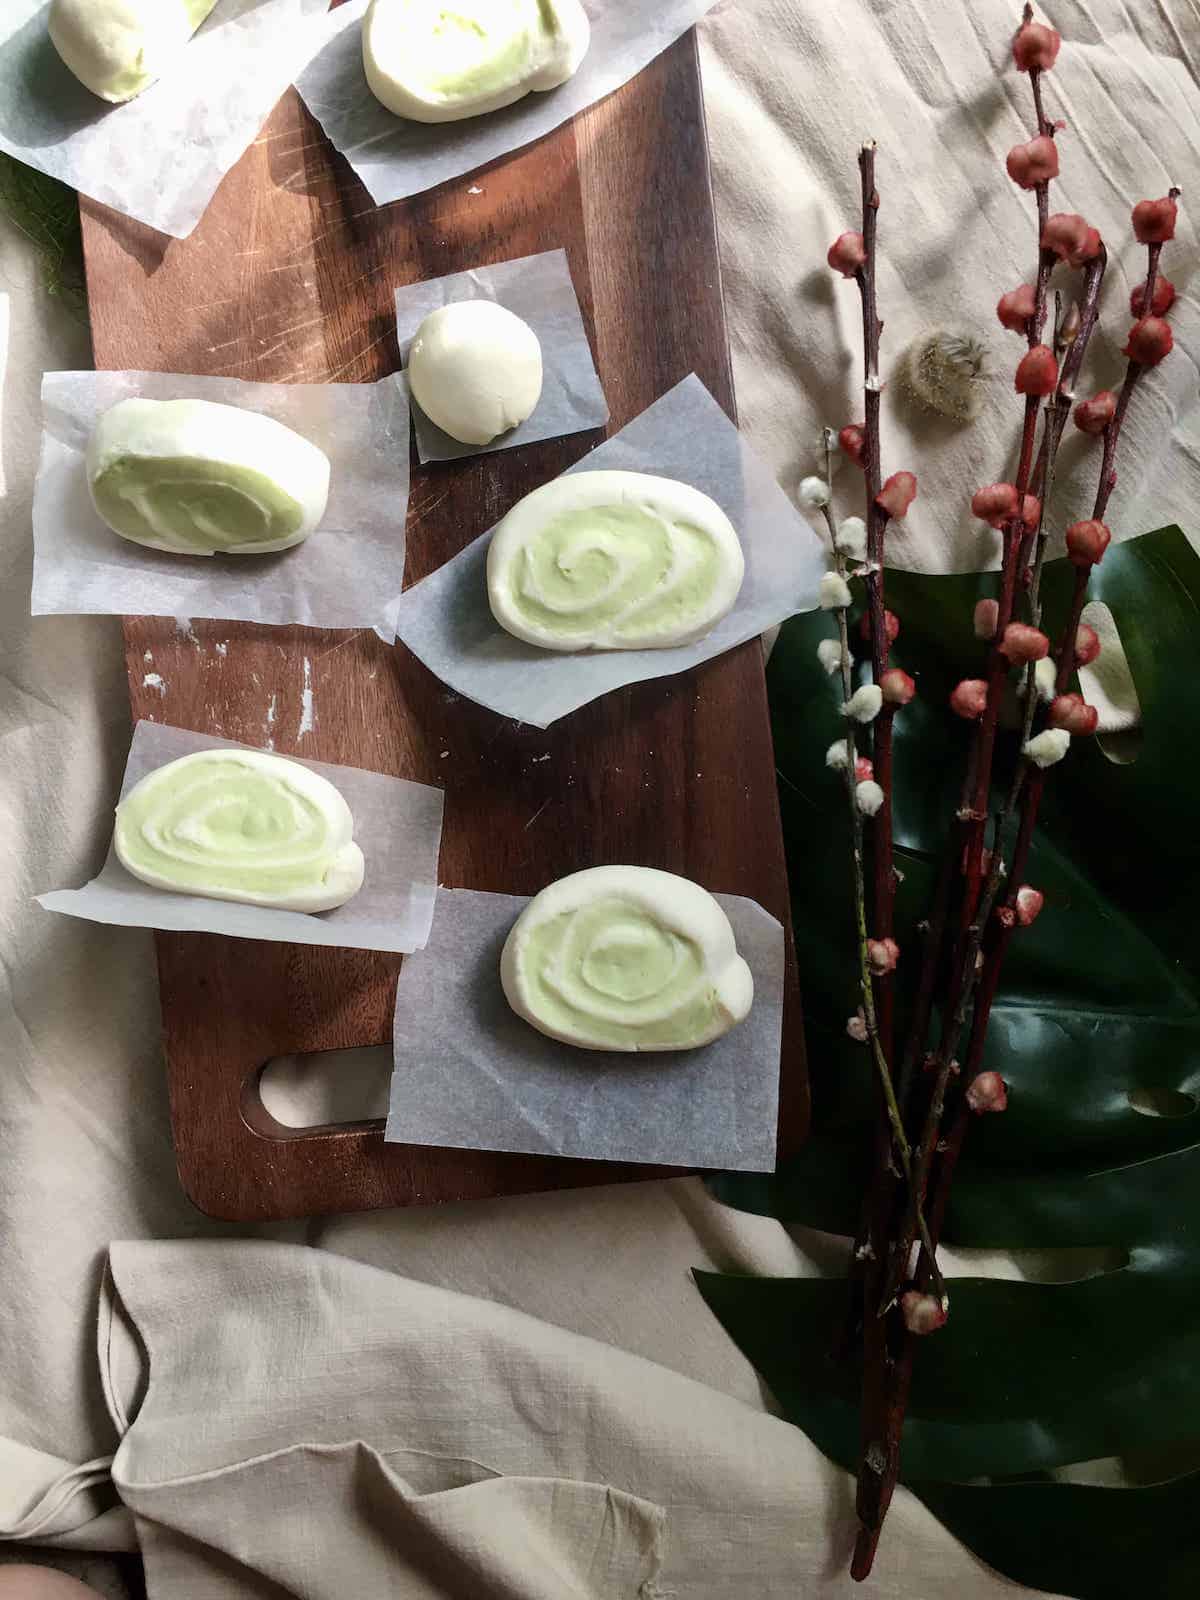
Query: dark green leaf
x=1097 y=1024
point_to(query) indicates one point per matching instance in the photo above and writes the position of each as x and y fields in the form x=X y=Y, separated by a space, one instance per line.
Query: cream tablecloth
x=524 y=1397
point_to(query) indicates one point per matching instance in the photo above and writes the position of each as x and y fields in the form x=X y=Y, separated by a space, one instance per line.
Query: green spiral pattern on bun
x=626 y=958
x=613 y=560
x=241 y=825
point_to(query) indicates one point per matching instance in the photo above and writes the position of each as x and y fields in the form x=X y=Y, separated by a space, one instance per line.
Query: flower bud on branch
x=883 y=955
x=1087 y=645
x=853 y=440
x=986 y=619
x=995 y=503
x=1037 y=372
x=847 y=254
x=1094 y=415
x=1161 y=301
x=813 y=493
x=968 y=699
x=897 y=494
x=1154 y=220
x=1029 y=903
x=1087 y=541
x=856 y=1028
x=891 y=626
x=1072 y=712
x=1068 y=235
x=922 y=1313
x=864 y=769
x=898 y=688
x=1016 y=307
x=1033 y=163
x=1035 y=46
x=1021 y=643
x=1150 y=339
x=988 y=1092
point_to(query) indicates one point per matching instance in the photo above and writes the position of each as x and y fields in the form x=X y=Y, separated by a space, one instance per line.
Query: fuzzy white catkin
x=829 y=654
x=833 y=592
x=838 y=755
x=1048 y=747
x=852 y=538
x=868 y=797
x=864 y=704
x=1045 y=676
x=813 y=493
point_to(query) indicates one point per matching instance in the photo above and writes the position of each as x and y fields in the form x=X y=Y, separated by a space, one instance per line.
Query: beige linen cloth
x=524 y=1397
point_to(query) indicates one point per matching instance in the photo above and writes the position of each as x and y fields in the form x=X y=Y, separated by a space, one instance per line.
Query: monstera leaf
x=1097 y=1032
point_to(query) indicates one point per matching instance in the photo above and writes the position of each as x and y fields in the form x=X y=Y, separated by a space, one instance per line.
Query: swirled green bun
x=433 y=62
x=613 y=561
x=626 y=958
x=202 y=479
x=241 y=825
x=117 y=48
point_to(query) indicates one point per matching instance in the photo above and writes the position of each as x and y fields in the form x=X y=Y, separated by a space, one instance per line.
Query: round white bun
x=475 y=369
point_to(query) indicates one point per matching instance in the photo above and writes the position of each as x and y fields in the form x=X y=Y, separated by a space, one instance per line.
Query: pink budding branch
x=931 y=1088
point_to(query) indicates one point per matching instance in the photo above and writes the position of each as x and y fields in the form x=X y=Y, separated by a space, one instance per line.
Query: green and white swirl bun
x=241 y=825
x=196 y=478
x=626 y=958
x=613 y=561
x=434 y=62
x=117 y=48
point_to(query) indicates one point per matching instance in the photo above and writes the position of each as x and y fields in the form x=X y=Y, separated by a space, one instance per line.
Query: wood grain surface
x=289 y=278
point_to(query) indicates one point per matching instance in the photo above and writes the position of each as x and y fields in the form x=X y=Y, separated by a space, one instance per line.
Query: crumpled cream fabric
x=792 y=91
x=351 y=1432
x=601 y=1276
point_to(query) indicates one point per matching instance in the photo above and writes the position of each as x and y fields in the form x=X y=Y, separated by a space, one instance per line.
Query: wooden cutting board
x=289 y=279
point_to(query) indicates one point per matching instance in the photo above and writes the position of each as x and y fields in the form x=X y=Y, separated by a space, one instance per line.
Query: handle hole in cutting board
x=295 y=1094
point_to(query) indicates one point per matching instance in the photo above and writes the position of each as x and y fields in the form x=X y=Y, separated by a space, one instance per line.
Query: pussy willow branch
x=873 y=1472
x=877 y=520
x=870 y=1017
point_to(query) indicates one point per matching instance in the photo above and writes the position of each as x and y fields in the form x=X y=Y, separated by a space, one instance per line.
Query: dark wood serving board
x=289 y=278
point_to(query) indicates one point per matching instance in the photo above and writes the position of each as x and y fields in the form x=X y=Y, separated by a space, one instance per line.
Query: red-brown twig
x=888 y=1370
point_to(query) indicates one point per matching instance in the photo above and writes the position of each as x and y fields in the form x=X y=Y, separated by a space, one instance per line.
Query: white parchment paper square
x=539 y=290
x=161 y=156
x=398 y=826
x=396 y=158
x=470 y=1074
x=348 y=574
x=446 y=620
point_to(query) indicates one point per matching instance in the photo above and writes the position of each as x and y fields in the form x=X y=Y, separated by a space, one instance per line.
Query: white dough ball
x=475 y=369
